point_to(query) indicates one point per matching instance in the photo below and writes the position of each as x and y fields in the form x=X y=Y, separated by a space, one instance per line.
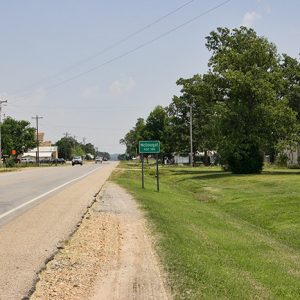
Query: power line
x=54 y=107
x=112 y=46
x=159 y=37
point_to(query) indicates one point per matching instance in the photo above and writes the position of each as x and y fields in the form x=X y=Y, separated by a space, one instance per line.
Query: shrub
x=10 y=163
x=281 y=160
x=247 y=159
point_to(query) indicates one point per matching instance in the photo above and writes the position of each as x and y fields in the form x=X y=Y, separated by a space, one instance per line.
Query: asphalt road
x=40 y=209
x=21 y=190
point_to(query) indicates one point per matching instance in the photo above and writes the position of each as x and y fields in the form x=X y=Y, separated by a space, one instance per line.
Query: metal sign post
x=157 y=173
x=149 y=147
x=143 y=184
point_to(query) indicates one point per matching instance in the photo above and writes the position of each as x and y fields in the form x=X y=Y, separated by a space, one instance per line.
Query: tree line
x=68 y=147
x=245 y=106
x=18 y=135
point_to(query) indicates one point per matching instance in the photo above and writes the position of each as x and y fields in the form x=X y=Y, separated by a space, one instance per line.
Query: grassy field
x=224 y=236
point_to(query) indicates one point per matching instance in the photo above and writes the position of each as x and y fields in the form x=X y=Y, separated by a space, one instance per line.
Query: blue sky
x=40 y=39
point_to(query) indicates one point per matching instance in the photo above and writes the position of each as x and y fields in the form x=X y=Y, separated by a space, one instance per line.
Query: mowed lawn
x=223 y=236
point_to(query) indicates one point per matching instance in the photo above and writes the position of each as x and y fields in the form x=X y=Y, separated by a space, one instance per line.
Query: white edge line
x=45 y=194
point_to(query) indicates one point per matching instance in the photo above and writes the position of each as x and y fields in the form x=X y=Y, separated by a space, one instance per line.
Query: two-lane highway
x=21 y=190
x=39 y=208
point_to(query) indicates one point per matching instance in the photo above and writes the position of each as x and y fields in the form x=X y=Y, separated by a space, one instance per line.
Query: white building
x=46 y=153
x=293 y=155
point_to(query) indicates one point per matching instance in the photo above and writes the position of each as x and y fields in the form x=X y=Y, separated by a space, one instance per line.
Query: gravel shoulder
x=110 y=256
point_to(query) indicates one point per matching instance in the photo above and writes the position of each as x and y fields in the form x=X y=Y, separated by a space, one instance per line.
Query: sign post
x=149 y=147
x=143 y=184
x=157 y=174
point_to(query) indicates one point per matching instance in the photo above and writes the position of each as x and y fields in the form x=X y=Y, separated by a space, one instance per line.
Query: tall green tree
x=246 y=72
x=198 y=93
x=66 y=147
x=158 y=128
x=89 y=148
x=290 y=68
x=17 y=135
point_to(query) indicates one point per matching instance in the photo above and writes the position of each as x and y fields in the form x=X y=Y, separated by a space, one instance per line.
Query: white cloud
x=250 y=17
x=121 y=86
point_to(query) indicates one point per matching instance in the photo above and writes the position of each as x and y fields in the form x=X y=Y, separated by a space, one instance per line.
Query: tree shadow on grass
x=195 y=171
x=280 y=173
x=202 y=174
x=217 y=174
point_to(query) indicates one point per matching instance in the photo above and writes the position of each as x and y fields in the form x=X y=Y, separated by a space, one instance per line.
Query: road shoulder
x=110 y=256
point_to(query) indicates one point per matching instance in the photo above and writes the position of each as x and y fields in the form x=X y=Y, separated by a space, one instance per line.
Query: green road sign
x=149 y=146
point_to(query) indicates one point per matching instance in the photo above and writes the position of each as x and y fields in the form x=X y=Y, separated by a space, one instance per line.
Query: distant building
x=178 y=159
x=46 y=151
x=293 y=155
x=43 y=143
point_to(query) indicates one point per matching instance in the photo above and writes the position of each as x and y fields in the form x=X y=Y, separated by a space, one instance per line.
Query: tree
x=17 y=135
x=157 y=128
x=198 y=93
x=132 y=138
x=66 y=146
x=290 y=68
x=89 y=150
x=246 y=73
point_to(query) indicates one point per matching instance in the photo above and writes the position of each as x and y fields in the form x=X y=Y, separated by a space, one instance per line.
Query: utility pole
x=191 y=134
x=66 y=134
x=83 y=140
x=191 y=131
x=74 y=138
x=37 y=139
x=1 y=102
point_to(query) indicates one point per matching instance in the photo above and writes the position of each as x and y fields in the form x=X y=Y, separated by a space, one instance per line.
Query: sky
x=90 y=68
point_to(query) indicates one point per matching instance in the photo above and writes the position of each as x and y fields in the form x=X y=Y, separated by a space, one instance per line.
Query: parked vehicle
x=45 y=161
x=58 y=161
x=77 y=160
x=27 y=160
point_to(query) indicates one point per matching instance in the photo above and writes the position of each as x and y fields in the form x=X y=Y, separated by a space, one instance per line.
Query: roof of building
x=41 y=154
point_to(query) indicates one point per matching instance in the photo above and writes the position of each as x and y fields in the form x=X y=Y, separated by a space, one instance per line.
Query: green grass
x=3 y=169
x=224 y=236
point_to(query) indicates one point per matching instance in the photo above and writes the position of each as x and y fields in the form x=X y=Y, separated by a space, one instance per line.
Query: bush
x=151 y=172
x=247 y=159
x=281 y=160
x=9 y=163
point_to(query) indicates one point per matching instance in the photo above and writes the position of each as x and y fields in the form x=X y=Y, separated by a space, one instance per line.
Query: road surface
x=39 y=208
x=20 y=190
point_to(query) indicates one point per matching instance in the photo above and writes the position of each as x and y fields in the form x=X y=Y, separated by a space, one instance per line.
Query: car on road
x=98 y=159
x=77 y=160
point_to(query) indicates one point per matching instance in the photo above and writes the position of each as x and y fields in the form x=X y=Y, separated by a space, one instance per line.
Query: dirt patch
x=111 y=256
